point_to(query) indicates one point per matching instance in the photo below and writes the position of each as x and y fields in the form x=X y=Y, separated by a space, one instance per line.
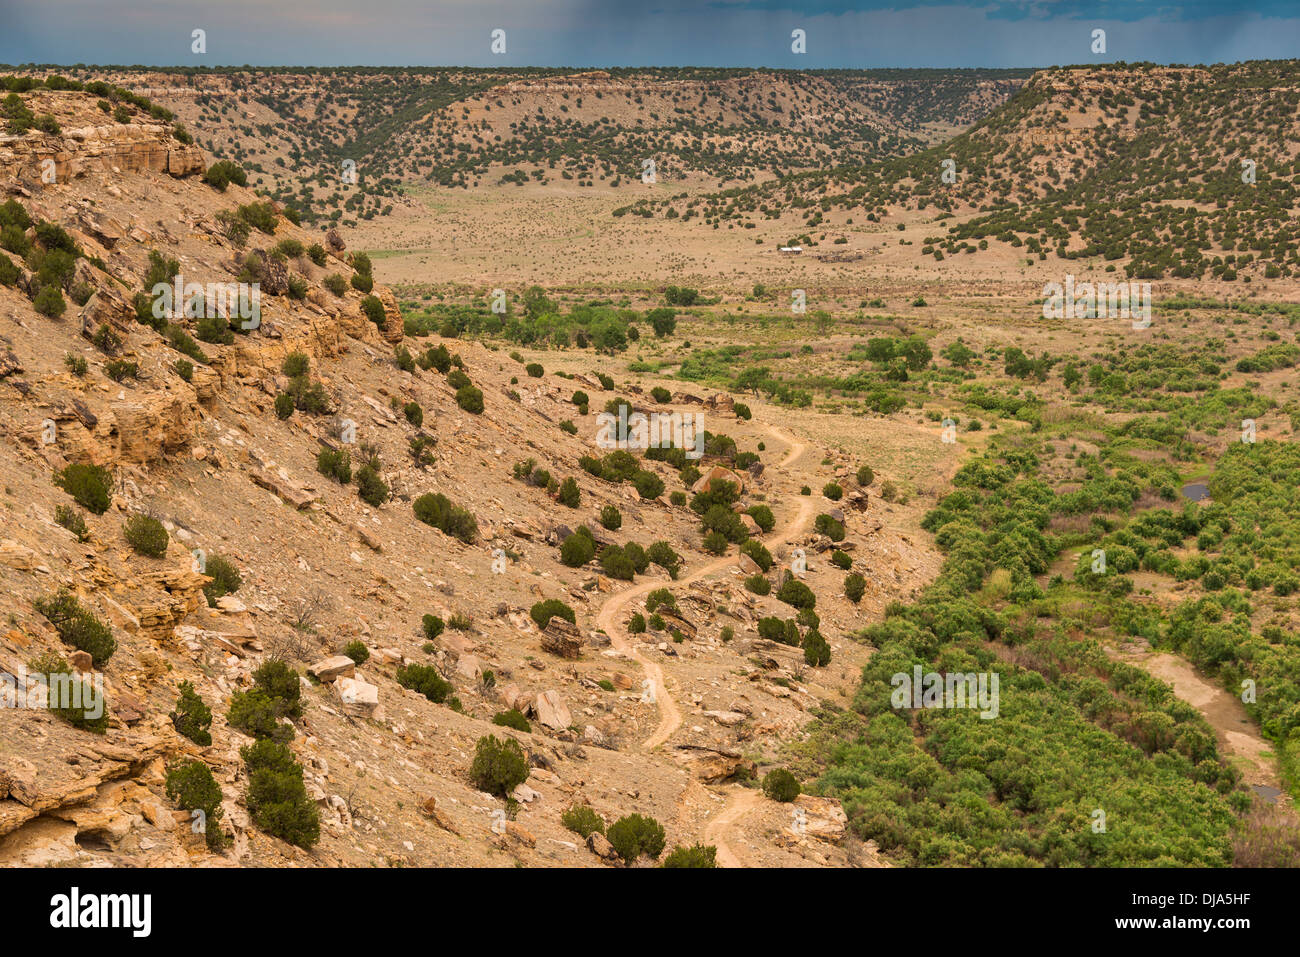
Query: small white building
x=793 y=250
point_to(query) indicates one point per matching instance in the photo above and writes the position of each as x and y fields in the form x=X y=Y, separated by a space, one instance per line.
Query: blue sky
x=587 y=33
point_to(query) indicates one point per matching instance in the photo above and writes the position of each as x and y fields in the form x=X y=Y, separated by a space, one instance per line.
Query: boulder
x=824 y=817
x=551 y=712
x=599 y=845
x=562 y=638
x=717 y=474
x=339 y=666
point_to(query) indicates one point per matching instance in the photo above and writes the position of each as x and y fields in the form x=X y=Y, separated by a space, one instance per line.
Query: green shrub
x=89 y=485
x=435 y=509
x=8 y=271
x=636 y=625
x=816 y=650
x=633 y=836
x=543 y=611
x=534 y=370
x=499 y=766
x=335 y=463
x=214 y=329
x=224 y=172
x=357 y=651
x=648 y=485
x=796 y=594
x=660 y=598
x=662 y=554
x=283 y=685
x=854 y=587
x=192 y=717
x=514 y=718
x=425 y=680
x=277 y=799
x=296 y=364
x=371 y=487
x=697 y=855
x=432 y=626
x=715 y=543
x=226 y=579
x=259 y=216
x=470 y=398
x=583 y=820
x=77 y=626
x=829 y=527
x=841 y=559
x=362 y=283
x=781 y=785
x=49 y=302
x=617 y=564
x=373 y=307
x=71 y=519
x=757 y=552
x=758 y=585
x=192 y=787
x=70 y=698
x=569 y=493
x=255 y=713
x=146 y=535
x=660 y=394
x=185 y=369
x=832 y=491
x=865 y=476
x=119 y=369
x=577 y=550
x=316 y=253
x=742 y=411
x=336 y=284
x=611 y=518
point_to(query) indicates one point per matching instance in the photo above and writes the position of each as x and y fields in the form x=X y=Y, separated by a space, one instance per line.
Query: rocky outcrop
x=128 y=148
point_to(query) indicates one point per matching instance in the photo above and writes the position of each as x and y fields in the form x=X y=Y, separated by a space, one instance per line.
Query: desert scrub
x=90 y=486
x=583 y=820
x=192 y=787
x=71 y=519
x=277 y=799
x=146 y=535
x=77 y=626
x=192 y=718
x=780 y=785
x=634 y=836
x=432 y=626
x=854 y=586
x=611 y=518
x=543 y=611
x=514 y=718
x=697 y=855
x=226 y=579
x=569 y=494
x=435 y=509
x=578 y=549
x=758 y=585
x=69 y=697
x=335 y=463
x=425 y=680
x=357 y=651
x=816 y=650
x=499 y=766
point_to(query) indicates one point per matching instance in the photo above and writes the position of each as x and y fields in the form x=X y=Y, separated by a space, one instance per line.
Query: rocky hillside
x=308 y=557
x=294 y=129
x=1186 y=172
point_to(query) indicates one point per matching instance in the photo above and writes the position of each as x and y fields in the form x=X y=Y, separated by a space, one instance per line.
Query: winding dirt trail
x=740 y=801
x=611 y=614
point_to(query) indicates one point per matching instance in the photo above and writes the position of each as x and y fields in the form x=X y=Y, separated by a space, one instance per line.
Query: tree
x=499 y=766
x=633 y=836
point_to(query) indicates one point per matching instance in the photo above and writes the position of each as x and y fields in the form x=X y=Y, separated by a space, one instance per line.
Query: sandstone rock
x=715 y=764
x=338 y=666
x=551 y=711
x=599 y=845
x=517 y=832
x=728 y=719
x=429 y=808
x=81 y=661
x=747 y=565
x=358 y=696
x=823 y=817
x=562 y=638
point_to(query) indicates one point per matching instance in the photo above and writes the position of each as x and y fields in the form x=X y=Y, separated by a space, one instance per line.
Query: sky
x=857 y=34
